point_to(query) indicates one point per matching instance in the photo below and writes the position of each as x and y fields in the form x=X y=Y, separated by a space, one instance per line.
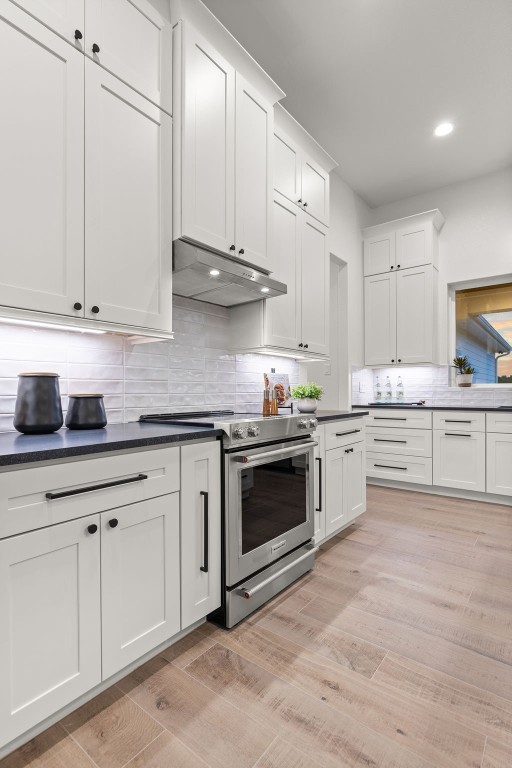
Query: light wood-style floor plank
x=395 y=652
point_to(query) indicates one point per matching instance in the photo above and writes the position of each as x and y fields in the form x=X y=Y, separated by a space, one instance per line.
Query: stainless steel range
x=268 y=520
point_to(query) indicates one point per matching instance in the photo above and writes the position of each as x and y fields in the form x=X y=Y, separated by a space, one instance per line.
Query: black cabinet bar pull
x=319 y=508
x=458 y=421
x=99 y=487
x=350 y=432
x=456 y=434
x=389 y=466
x=206 y=535
x=390 y=418
x=384 y=440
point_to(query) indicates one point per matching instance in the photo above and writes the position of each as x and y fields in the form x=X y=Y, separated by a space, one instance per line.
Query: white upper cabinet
x=401 y=244
x=253 y=175
x=223 y=147
x=128 y=231
x=390 y=301
x=42 y=178
x=380 y=319
x=314 y=288
x=132 y=40
x=299 y=178
x=66 y=17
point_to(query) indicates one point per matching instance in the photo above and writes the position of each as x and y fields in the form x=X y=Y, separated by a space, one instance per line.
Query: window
x=484 y=331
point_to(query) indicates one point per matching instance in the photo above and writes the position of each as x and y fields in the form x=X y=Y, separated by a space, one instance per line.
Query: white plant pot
x=464 y=379
x=307 y=405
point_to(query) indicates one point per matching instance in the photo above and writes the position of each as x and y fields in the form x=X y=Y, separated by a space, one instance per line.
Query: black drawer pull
x=456 y=434
x=383 y=440
x=390 y=418
x=350 y=432
x=458 y=421
x=389 y=466
x=99 y=487
x=319 y=508
x=206 y=534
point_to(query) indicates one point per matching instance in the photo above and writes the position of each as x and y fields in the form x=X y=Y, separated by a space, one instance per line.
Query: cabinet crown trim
x=435 y=217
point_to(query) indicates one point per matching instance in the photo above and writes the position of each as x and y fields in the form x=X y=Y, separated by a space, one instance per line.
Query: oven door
x=269 y=505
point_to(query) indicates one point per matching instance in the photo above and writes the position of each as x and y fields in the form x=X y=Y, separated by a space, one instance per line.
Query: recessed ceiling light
x=265 y=290
x=443 y=129
x=214 y=272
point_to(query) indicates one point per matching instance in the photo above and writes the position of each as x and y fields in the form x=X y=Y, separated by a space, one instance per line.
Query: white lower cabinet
x=200 y=531
x=345 y=486
x=459 y=459
x=140 y=579
x=409 y=469
x=50 y=635
x=499 y=463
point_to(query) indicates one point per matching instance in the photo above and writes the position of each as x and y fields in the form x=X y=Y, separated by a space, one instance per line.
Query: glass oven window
x=273 y=500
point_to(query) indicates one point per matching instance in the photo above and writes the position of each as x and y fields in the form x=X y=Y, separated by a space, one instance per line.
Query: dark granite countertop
x=16 y=448
x=437 y=407
x=336 y=415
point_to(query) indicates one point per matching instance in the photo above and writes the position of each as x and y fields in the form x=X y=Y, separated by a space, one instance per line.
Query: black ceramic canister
x=38 y=407
x=86 y=411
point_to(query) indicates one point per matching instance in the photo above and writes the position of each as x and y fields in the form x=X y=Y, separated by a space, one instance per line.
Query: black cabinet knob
x=95 y=48
x=77 y=305
x=299 y=200
x=392 y=361
x=232 y=248
x=92 y=528
x=399 y=359
x=305 y=205
x=241 y=251
x=78 y=34
x=301 y=344
x=398 y=266
x=306 y=346
x=95 y=310
x=114 y=522
x=392 y=267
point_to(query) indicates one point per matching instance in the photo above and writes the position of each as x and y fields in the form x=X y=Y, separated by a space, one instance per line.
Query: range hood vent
x=232 y=282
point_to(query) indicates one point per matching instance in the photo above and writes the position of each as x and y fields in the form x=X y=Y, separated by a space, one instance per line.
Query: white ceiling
x=369 y=79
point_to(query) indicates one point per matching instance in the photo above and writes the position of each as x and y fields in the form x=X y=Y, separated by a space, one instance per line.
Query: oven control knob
x=312 y=423
x=253 y=430
x=239 y=433
x=303 y=424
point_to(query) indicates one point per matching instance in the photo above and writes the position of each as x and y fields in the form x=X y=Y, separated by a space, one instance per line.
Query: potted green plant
x=307 y=396
x=463 y=371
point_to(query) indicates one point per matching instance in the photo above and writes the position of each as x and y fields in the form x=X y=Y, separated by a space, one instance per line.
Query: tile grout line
x=483 y=753
x=379 y=665
x=142 y=750
x=265 y=752
x=79 y=745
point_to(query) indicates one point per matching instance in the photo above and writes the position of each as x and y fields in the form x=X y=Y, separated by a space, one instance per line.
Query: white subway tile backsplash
x=195 y=371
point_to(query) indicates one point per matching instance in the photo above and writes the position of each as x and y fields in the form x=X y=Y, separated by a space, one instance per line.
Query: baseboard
x=454 y=493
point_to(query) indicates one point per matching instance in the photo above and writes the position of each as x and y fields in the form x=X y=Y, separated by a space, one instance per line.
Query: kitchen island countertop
x=17 y=449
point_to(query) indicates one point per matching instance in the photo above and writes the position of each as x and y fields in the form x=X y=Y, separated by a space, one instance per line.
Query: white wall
x=348 y=214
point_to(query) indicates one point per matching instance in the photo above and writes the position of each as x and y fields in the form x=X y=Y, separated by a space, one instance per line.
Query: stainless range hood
x=214 y=277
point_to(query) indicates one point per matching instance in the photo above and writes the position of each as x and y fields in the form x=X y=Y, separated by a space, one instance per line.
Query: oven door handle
x=284 y=452
x=248 y=593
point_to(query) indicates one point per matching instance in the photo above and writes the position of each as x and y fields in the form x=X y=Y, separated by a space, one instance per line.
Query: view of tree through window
x=484 y=331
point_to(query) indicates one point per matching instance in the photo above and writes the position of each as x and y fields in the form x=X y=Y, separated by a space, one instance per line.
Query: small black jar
x=86 y=411
x=38 y=409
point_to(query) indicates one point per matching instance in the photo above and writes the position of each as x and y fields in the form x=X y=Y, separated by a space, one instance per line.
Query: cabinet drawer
x=340 y=433
x=406 y=442
x=400 y=418
x=499 y=421
x=102 y=483
x=459 y=421
x=409 y=469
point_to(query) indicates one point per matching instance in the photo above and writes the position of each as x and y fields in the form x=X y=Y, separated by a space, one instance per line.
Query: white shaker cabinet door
x=42 y=176
x=207 y=145
x=335 y=510
x=253 y=182
x=128 y=208
x=355 y=481
x=287 y=167
x=140 y=579
x=200 y=531
x=135 y=43
x=414 y=245
x=499 y=463
x=415 y=315
x=66 y=17
x=314 y=197
x=379 y=254
x=380 y=319
x=314 y=287
x=459 y=459
x=282 y=313
x=50 y=633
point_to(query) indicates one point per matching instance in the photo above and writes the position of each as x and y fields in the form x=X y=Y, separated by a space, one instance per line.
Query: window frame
x=452 y=330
